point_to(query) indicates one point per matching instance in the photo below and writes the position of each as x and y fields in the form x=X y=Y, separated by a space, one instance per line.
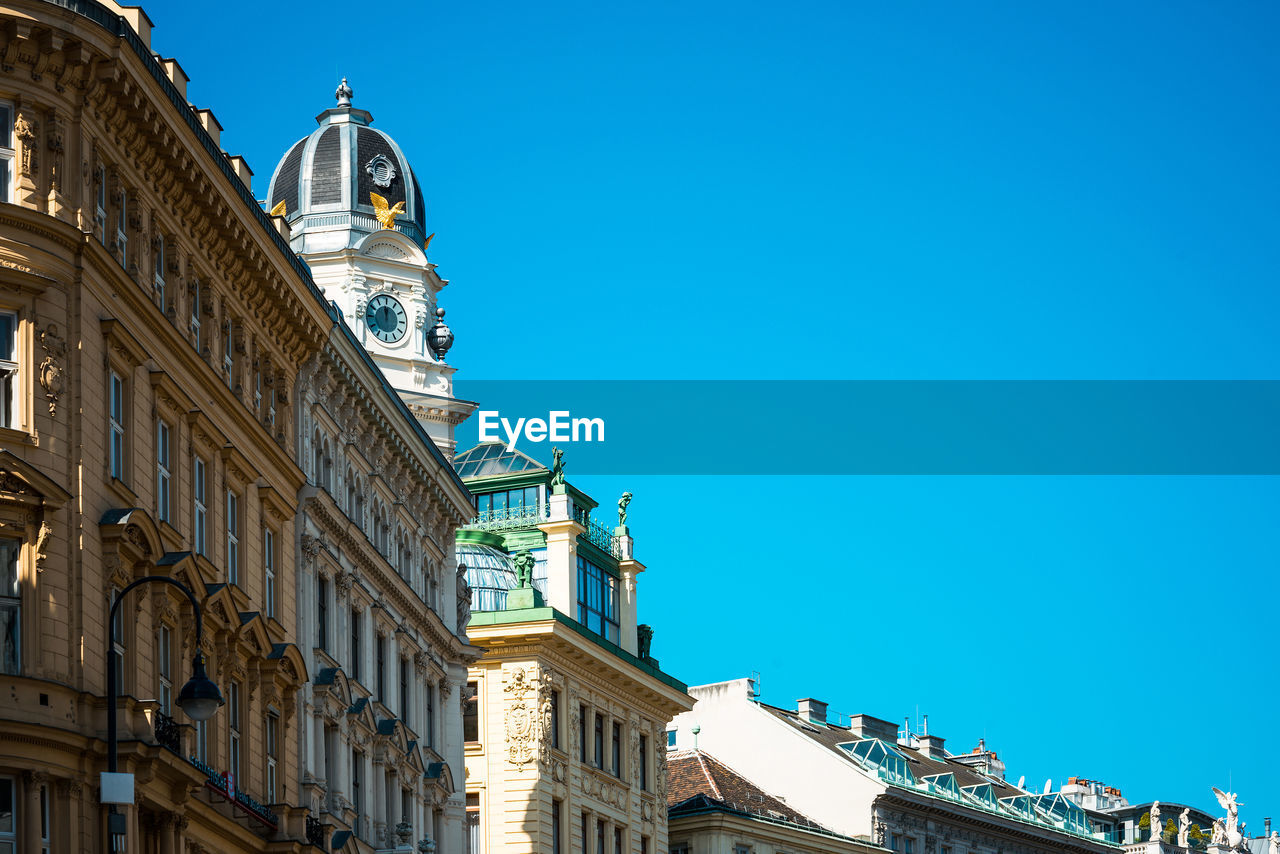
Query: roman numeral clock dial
x=386 y=319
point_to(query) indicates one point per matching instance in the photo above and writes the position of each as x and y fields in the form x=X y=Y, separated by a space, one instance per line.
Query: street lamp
x=199 y=698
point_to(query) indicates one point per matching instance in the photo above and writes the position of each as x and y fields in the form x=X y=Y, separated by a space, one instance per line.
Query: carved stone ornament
x=26 y=131
x=522 y=720
x=54 y=141
x=42 y=545
x=381 y=170
x=52 y=375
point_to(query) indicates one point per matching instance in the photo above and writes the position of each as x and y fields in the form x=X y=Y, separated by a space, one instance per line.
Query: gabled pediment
x=26 y=483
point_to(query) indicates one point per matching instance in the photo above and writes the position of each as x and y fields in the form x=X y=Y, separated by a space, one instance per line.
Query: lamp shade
x=200 y=697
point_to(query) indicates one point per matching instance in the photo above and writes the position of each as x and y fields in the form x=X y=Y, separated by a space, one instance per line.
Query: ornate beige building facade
x=568 y=711
x=164 y=357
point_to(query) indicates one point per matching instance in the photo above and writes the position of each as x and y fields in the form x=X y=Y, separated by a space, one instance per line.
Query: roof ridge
x=715 y=790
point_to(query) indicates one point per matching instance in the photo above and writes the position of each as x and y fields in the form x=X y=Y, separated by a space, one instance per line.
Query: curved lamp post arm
x=112 y=688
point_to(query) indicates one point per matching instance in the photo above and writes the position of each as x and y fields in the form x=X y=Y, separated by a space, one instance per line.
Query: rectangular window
x=117 y=631
x=228 y=354
x=431 y=716
x=8 y=816
x=116 y=417
x=196 y=297
x=202 y=741
x=382 y=668
x=895 y=842
x=357 y=794
x=586 y=832
x=233 y=732
x=273 y=746
x=475 y=832
x=404 y=692
x=164 y=667
x=44 y=820
x=616 y=749
x=644 y=763
x=233 y=538
x=909 y=847
x=555 y=827
x=159 y=268
x=742 y=849
x=9 y=369
x=163 y=469
x=582 y=733
x=355 y=644
x=10 y=608
x=671 y=738
x=617 y=840
x=600 y=836
x=269 y=570
x=597 y=600
x=7 y=153
x=100 y=204
x=201 y=497
x=644 y=845
x=322 y=614
x=555 y=719
x=122 y=229
x=471 y=713
x=599 y=741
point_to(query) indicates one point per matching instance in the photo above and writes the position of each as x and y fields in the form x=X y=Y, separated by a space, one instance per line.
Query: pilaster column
x=32 y=783
x=562 y=556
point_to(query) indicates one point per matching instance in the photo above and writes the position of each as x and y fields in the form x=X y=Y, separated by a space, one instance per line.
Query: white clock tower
x=356 y=215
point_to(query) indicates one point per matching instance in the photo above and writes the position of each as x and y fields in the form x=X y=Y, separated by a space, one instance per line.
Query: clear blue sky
x=865 y=190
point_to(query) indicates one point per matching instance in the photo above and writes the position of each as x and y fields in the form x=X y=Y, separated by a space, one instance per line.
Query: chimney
x=1266 y=826
x=931 y=746
x=814 y=711
x=865 y=726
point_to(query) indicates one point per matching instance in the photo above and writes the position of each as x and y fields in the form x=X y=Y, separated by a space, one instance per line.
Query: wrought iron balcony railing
x=315 y=832
x=168 y=733
x=520 y=516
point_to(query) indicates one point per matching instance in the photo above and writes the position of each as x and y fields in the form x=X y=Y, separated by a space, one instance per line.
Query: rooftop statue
x=622 y=508
x=1274 y=847
x=1155 y=821
x=1184 y=828
x=557 y=467
x=1231 y=826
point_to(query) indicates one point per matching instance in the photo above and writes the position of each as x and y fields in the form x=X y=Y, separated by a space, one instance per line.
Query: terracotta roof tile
x=695 y=772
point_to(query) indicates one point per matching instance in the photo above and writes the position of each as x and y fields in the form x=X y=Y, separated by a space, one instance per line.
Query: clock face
x=386 y=318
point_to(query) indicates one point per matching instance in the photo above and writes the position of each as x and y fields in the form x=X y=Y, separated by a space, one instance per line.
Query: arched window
x=328 y=465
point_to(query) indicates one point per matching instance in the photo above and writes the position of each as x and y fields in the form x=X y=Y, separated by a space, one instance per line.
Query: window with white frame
x=200 y=513
x=116 y=388
x=158 y=264
x=269 y=570
x=202 y=741
x=7 y=153
x=233 y=731
x=118 y=644
x=100 y=204
x=9 y=390
x=122 y=229
x=164 y=667
x=196 y=297
x=163 y=469
x=233 y=537
x=273 y=747
x=228 y=353
x=10 y=608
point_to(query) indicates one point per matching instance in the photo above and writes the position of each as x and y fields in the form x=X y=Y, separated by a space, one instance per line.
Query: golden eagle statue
x=386 y=215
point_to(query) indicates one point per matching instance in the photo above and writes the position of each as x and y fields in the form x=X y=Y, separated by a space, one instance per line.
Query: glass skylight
x=889 y=764
x=985 y=795
x=1063 y=812
x=493 y=458
x=944 y=785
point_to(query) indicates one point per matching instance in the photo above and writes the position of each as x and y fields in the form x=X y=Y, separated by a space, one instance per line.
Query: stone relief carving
x=52 y=377
x=54 y=142
x=26 y=130
x=523 y=725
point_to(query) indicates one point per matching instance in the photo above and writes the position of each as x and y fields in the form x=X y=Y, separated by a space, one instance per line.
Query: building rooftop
x=491 y=458
x=965 y=779
x=697 y=781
